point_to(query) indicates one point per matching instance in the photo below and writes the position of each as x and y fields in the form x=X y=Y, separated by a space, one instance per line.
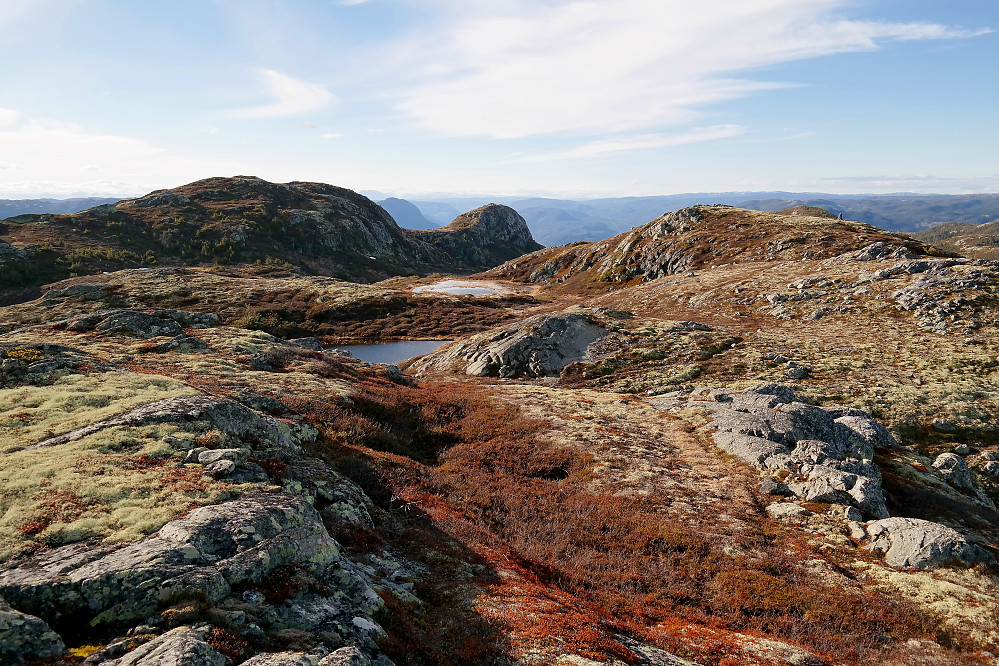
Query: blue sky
x=506 y=97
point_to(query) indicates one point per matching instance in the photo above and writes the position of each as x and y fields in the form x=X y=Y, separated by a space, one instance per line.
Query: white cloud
x=331 y=135
x=49 y=157
x=637 y=142
x=291 y=97
x=518 y=68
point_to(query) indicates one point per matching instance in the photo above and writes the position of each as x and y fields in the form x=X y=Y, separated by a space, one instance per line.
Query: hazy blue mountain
x=406 y=215
x=442 y=212
x=561 y=221
x=12 y=207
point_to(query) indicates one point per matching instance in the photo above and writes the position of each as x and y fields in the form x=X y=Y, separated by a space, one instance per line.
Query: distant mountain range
x=12 y=207
x=559 y=221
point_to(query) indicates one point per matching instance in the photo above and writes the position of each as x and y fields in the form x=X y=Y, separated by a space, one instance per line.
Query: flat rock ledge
x=816 y=454
x=539 y=346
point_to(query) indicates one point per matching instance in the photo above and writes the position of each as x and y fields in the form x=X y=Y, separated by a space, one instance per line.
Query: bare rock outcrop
x=182 y=646
x=203 y=554
x=911 y=543
x=539 y=346
x=239 y=422
x=825 y=454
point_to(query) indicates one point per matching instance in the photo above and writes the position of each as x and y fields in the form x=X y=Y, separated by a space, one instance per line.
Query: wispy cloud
x=47 y=157
x=518 y=68
x=637 y=142
x=911 y=183
x=291 y=97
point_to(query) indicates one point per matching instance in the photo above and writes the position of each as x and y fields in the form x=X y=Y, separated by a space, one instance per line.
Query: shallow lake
x=392 y=352
x=459 y=287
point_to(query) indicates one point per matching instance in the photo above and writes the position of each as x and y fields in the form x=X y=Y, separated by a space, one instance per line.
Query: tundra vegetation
x=725 y=437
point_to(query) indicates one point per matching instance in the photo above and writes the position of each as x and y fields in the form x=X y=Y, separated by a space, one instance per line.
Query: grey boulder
x=911 y=543
x=538 y=346
x=24 y=637
x=954 y=469
x=183 y=646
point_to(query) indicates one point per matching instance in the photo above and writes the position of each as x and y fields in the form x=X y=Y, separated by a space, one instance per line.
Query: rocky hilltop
x=725 y=437
x=699 y=237
x=979 y=241
x=486 y=236
x=322 y=229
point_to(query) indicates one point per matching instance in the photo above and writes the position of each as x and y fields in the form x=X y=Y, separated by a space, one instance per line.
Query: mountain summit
x=322 y=229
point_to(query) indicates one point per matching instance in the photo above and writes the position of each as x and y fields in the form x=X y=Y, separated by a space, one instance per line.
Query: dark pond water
x=392 y=352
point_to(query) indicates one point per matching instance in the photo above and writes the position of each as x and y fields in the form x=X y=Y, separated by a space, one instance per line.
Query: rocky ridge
x=692 y=468
x=322 y=229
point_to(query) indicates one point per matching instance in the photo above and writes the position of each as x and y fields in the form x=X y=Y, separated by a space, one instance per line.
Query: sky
x=573 y=99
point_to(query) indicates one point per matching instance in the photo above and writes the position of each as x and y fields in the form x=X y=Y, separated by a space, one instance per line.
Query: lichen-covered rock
x=283 y=659
x=881 y=251
x=786 y=510
x=199 y=556
x=24 y=637
x=911 y=543
x=829 y=451
x=346 y=656
x=954 y=469
x=183 y=646
x=231 y=418
x=539 y=346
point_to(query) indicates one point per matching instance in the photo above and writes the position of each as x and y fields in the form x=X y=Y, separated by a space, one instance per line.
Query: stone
x=880 y=251
x=220 y=468
x=538 y=346
x=944 y=426
x=846 y=512
x=911 y=543
x=771 y=486
x=25 y=637
x=954 y=469
x=795 y=371
x=236 y=456
x=183 y=646
x=282 y=659
x=780 y=510
x=312 y=344
x=991 y=469
x=346 y=656
x=962 y=449
x=139 y=324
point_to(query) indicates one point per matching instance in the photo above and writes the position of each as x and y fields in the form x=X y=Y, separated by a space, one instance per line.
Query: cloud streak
x=516 y=68
x=291 y=97
x=638 y=142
